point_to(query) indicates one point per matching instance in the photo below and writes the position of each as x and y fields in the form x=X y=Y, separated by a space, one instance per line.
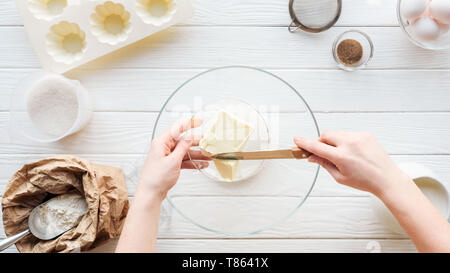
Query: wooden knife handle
x=300 y=153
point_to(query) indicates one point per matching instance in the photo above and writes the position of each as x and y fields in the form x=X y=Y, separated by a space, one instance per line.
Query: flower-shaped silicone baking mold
x=99 y=27
x=156 y=12
x=46 y=9
x=66 y=42
x=111 y=23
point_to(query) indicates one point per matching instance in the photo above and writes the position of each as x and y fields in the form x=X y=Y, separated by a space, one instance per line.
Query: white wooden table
x=403 y=97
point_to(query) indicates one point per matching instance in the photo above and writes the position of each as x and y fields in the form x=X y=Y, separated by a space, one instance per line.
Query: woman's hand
x=359 y=161
x=354 y=159
x=167 y=156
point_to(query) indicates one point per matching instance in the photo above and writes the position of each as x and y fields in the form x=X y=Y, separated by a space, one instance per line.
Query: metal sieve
x=314 y=16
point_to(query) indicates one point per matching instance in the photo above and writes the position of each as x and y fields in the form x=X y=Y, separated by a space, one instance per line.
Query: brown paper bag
x=104 y=188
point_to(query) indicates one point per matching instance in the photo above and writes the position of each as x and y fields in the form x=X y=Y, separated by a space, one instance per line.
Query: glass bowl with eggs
x=426 y=22
x=242 y=109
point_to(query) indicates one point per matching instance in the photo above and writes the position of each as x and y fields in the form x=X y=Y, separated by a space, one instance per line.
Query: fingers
x=196 y=155
x=318 y=148
x=179 y=128
x=189 y=165
x=181 y=149
x=196 y=140
x=327 y=165
x=333 y=138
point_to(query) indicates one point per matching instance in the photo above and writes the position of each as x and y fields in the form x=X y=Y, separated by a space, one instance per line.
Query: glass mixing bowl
x=267 y=192
x=441 y=43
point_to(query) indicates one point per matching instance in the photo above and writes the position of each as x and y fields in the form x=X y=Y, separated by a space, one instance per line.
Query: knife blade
x=295 y=152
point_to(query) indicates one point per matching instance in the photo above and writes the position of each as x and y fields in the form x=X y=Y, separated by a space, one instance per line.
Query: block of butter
x=227 y=134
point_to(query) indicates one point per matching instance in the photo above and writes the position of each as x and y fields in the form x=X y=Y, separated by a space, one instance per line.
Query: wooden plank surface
x=130 y=132
x=318 y=218
x=148 y=89
x=185 y=47
x=402 y=97
x=276 y=245
x=258 y=13
x=192 y=184
x=270 y=246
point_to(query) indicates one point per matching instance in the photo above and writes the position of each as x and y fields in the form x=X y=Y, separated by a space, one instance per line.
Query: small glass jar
x=367 y=49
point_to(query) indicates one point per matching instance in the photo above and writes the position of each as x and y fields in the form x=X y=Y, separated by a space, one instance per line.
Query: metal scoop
x=39 y=231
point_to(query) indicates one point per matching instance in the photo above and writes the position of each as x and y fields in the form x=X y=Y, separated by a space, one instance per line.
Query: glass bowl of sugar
x=46 y=107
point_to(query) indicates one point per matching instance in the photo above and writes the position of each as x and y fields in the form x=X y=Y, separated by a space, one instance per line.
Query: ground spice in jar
x=350 y=52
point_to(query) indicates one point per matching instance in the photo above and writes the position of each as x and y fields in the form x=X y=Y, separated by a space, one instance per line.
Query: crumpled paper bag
x=104 y=188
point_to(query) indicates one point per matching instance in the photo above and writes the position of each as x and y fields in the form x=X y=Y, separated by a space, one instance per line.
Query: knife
x=260 y=155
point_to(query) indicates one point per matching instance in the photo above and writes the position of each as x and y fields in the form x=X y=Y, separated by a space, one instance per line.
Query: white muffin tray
x=68 y=33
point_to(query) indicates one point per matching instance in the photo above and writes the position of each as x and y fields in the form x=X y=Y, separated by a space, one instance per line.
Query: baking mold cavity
x=156 y=12
x=111 y=23
x=66 y=42
x=46 y=9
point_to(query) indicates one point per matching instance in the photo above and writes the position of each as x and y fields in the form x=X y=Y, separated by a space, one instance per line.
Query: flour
x=61 y=213
x=52 y=105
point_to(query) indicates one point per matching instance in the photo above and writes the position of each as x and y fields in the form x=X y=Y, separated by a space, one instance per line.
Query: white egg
x=426 y=29
x=440 y=10
x=412 y=9
x=444 y=28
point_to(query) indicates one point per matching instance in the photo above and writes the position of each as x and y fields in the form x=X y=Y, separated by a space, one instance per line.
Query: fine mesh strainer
x=314 y=16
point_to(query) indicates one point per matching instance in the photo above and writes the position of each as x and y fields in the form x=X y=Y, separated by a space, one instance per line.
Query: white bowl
x=431 y=186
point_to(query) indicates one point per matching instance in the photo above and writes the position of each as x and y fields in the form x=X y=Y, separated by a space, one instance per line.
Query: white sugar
x=53 y=105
